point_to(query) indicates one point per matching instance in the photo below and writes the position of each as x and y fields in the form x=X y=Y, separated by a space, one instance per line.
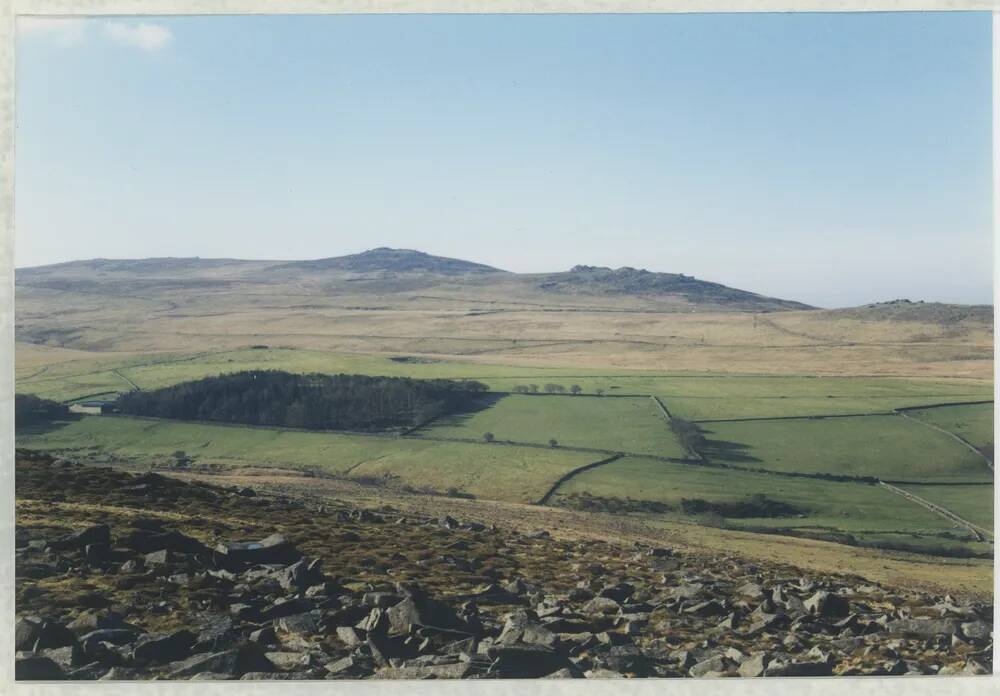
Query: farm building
x=93 y=407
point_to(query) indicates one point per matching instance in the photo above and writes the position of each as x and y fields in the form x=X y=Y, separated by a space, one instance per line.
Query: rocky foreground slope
x=123 y=576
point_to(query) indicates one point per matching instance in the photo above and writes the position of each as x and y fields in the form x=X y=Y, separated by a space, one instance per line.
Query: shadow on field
x=46 y=427
x=480 y=402
x=726 y=451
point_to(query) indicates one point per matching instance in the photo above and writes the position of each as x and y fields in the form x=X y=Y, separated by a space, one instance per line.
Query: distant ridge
x=640 y=282
x=907 y=310
x=154 y=264
x=387 y=260
x=387 y=270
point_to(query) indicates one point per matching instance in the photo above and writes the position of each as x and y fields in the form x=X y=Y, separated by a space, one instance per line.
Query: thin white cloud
x=148 y=37
x=65 y=31
x=74 y=31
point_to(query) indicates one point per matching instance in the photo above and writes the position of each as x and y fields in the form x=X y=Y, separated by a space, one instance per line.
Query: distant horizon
x=836 y=159
x=486 y=263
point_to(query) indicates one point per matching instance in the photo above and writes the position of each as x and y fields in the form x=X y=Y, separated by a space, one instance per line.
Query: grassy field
x=81 y=376
x=684 y=386
x=973 y=423
x=889 y=447
x=99 y=330
x=768 y=397
x=72 y=374
x=628 y=424
x=714 y=408
x=973 y=503
x=516 y=474
x=865 y=511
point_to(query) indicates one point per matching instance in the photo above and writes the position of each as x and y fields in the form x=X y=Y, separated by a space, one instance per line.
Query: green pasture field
x=973 y=423
x=73 y=379
x=626 y=425
x=76 y=387
x=696 y=396
x=888 y=447
x=865 y=511
x=683 y=392
x=77 y=378
x=695 y=408
x=973 y=503
x=501 y=472
x=291 y=360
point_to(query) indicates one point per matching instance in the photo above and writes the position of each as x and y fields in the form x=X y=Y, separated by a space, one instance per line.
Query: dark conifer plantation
x=30 y=409
x=314 y=401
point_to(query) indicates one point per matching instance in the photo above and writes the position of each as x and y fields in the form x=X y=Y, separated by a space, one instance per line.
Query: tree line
x=549 y=388
x=31 y=410
x=312 y=401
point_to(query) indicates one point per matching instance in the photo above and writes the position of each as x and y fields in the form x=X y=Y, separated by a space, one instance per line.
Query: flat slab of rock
x=37 y=668
x=923 y=628
x=457 y=670
x=525 y=661
x=420 y=612
x=162 y=649
x=272 y=549
x=233 y=663
x=754 y=665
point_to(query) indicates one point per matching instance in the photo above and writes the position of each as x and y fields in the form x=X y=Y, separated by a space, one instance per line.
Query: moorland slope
x=389 y=302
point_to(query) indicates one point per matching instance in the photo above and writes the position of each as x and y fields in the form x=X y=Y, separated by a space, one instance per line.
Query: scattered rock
x=162 y=649
x=516 y=605
x=755 y=665
x=98 y=534
x=37 y=668
x=349 y=636
x=827 y=605
x=923 y=628
x=977 y=630
x=713 y=666
x=273 y=549
x=601 y=605
x=418 y=611
x=457 y=670
x=232 y=663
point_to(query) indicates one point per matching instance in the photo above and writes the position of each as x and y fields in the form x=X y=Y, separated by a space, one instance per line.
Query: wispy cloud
x=65 y=31
x=72 y=31
x=148 y=37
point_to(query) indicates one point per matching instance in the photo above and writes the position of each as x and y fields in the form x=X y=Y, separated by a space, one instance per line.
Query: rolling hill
x=385 y=265
x=600 y=280
x=386 y=260
x=405 y=302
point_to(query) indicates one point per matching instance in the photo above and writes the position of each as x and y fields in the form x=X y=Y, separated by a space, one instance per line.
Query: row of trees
x=31 y=410
x=550 y=388
x=315 y=401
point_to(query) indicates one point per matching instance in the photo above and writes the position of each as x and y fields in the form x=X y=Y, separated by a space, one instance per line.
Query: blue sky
x=834 y=159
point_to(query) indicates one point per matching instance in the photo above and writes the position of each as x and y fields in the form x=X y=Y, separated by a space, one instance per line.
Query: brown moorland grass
x=528 y=327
